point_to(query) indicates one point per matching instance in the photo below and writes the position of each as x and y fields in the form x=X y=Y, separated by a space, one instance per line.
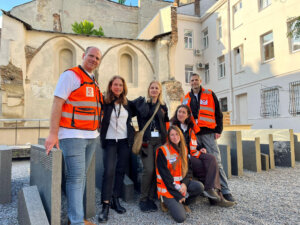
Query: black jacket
x=218 y=114
x=144 y=111
x=107 y=110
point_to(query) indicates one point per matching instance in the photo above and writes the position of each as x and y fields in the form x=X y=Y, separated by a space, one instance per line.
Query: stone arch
x=134 y=47
x=128 y=65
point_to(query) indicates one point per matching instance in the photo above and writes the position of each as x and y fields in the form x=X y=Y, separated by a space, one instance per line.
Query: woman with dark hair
x=175 y=187
x=155 y=135
x=204 y=165
x=116 y=136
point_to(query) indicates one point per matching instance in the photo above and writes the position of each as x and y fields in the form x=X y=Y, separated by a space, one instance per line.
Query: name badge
x=154 y=134
x=89 y=92
x=194 y=142
x=203 y=102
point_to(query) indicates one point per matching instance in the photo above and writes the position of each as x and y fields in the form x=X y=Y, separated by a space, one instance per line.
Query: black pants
x=115 y=159
x=206 y=170
x=176 y=209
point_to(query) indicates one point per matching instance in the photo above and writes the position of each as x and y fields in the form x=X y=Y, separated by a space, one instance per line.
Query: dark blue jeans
x=115 y=159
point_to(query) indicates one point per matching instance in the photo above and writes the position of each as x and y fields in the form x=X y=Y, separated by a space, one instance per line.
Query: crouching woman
x=175 y=186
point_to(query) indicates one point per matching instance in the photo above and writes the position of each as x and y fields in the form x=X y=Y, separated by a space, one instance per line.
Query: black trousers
x=115 y=160
x=206 y=170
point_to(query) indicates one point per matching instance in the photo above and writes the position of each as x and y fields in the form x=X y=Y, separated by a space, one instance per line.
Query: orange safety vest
x=82 y=109
x=193 y=144
x=172 y=156
x=206 y=114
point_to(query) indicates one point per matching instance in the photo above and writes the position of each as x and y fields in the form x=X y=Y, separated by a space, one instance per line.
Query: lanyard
x=117 y=114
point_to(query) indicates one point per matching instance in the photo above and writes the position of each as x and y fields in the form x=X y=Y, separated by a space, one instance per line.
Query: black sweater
x=195 y=105
x=168 y=179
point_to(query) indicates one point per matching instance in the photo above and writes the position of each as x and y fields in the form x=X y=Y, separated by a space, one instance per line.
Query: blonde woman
x=154 y=136
x=175 y=186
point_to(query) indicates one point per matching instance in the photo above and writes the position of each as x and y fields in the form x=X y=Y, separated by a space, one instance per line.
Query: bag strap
x=149 y=121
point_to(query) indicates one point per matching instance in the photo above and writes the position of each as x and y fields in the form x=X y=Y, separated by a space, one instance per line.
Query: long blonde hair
x=160 y=100
x=109 y=95
x=182 y=149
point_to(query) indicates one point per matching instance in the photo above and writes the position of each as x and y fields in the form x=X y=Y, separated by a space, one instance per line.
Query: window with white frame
x=205 y=38
x=221 y=66
x=206 y=73
x=223 y=104
x=237 y=14
x=264 y=3
x=188 y=39
x=188 y=73
x=269 y=102
x=219 y=28
x=295 y=38
x=238 y=59
x=267 y=46
x=294 y=106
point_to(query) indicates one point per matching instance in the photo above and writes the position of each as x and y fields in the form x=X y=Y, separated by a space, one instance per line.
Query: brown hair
x=174 y=120
x=160 y=100
x=182 y=149
x=109 y=96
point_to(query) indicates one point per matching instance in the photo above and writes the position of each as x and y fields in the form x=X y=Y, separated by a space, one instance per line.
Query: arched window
x=126 y=67
x=65 y=60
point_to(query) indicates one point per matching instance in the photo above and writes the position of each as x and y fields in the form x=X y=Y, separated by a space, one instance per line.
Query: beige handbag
x=138 y=137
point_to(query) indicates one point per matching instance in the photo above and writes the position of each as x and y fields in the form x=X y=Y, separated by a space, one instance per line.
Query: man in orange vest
x=206 y=112
x=74 y=124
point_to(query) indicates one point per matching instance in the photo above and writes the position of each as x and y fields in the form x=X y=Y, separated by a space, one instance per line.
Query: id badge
x=154 y=134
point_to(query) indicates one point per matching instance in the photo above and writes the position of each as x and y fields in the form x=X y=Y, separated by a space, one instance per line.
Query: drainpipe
x=230 y=63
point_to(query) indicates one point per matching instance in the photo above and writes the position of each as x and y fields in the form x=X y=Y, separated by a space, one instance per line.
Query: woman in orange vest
x=175 y=186
x=116 y=138
x=204 y=165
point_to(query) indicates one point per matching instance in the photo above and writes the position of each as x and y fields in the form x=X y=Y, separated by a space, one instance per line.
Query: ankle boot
x=115 y=204
x=103 y=216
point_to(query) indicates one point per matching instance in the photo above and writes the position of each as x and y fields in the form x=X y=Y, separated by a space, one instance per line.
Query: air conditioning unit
x=200 y=65
x=197 y=52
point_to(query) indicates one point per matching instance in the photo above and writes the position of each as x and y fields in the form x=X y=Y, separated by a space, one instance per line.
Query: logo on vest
x=194 y=142
x=203 y=102
x=89 y=92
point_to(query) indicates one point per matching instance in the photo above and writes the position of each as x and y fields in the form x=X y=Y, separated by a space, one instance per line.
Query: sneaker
x=163 y=207
x=144 y=206
x=212 y=194
x=229 y=197
x=225 y=203
x=152 y=205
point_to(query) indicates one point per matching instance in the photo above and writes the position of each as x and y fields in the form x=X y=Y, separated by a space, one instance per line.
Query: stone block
x=226 y=159
x=30 y=207
x=128 y=189
x=89 y=199
x=5 y=174
x=265 y=162
x=269 y=150
x=99 y=165
x=234 y=140
x=251 y=155
x=297 y=148
x=20 y=151
x=41 y=141
x=45 y=173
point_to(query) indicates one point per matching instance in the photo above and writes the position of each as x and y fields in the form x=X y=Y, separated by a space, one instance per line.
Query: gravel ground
x=263 y=198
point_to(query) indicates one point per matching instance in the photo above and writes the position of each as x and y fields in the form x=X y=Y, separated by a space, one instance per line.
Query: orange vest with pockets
x=82 y=109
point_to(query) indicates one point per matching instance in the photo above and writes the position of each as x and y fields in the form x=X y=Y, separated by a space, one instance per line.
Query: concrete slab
x=45 y=173
x=41 y=141
x=269 y=150
x=297 y=147
x=30 y=207
x=265 y=162
x=226 y=159
x=128 y=189
x=251 y=155
x=5 y=174
x=234 y=140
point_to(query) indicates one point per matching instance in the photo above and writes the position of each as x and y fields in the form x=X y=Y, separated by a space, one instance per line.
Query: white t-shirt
x=68 y=82
x=117 y=128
